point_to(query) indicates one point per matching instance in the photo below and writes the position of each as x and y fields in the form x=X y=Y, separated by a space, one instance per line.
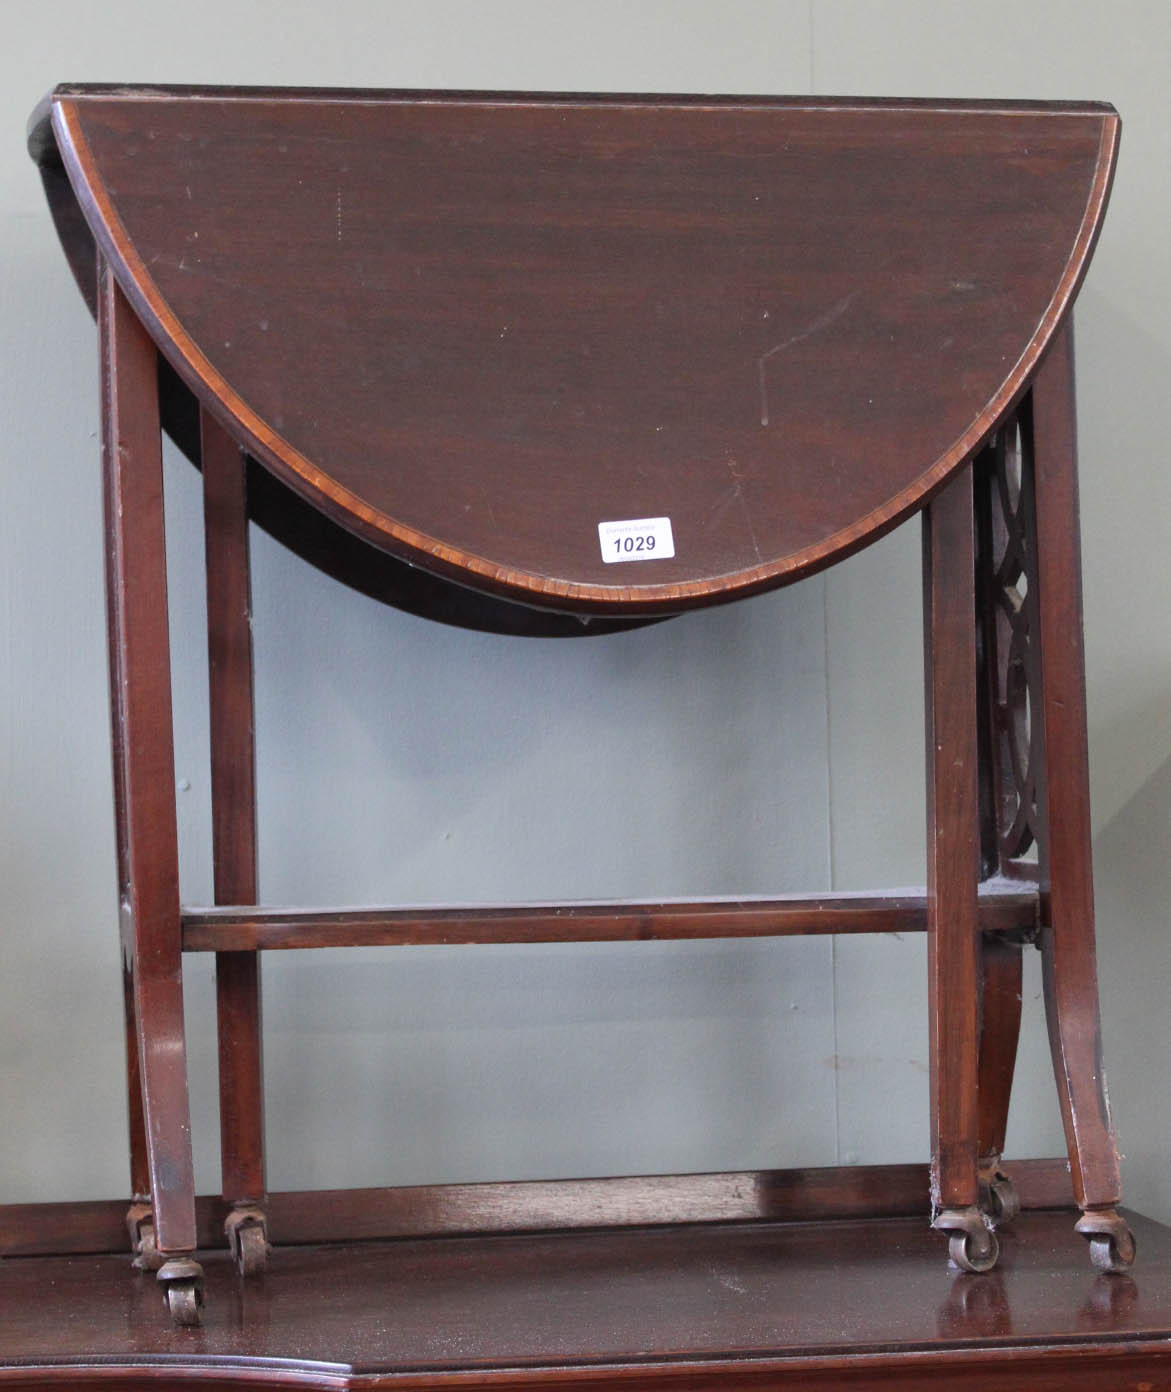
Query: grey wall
x=771 y=746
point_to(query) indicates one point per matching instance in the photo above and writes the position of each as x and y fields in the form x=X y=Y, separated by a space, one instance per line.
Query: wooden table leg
x=148 y=860
x=1067 y=933
x=1000 y=1028
x=953 y=870
x=233 y=802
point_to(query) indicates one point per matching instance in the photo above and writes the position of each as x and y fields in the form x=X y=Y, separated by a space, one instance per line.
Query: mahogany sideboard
x=557 y=365
x=860 y=1304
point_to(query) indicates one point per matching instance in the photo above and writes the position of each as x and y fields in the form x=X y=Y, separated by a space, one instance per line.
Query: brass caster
x=971 y=1244
x=247 y=1233
x=1112 y=1244
x=147 y=1256
x=1004 y=1203
x=998 y=1194
x=182 y=1283
x=141 y=1227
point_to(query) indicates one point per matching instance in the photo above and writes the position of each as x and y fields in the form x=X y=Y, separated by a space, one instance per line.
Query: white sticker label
x=643 y=539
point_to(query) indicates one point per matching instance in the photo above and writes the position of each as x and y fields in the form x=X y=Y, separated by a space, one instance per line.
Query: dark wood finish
x=324 y=544
x=1003 y=909
x=278 y=510
x=1067 y=939
x=497 y=322
x=135 y=1116
x=953 y=845
x=541 y=292
x=850 y=1305
x=115 y=660
x=233 y=808
x=445 y=1210
x=1000 y=1028
x=275 y=508
x=145 y=779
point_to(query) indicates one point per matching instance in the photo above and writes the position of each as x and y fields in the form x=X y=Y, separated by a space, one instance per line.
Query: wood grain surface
x=1003 y=908
x=473 y=328
x=435 y=1210
x=734 y=1305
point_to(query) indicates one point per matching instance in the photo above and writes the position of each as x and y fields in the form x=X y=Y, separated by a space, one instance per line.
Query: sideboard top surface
x=471 y=328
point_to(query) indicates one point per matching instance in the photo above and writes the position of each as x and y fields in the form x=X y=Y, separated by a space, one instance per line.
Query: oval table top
x=607 y=355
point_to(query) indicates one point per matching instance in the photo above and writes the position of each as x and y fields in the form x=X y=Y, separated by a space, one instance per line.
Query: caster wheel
x=251 y=1250
x=246 y=1229
x=182 y=1283
x=1112 y=1245
x=1004 y=1202
x=184 y=1303
x=1112 y=1253
x=974 y=1252
x=147 y=1256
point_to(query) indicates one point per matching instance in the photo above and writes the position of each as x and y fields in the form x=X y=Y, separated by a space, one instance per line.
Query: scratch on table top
x=738 y=494
x=823 y=321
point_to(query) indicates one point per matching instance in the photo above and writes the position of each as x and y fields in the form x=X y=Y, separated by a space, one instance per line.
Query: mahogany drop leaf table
x=559 y=365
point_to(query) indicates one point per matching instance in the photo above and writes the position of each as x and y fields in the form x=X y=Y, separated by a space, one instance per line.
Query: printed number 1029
x=627 y=544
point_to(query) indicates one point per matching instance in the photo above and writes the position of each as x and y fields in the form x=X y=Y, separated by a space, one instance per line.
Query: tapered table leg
x=145 y=778
x=953 y=870
x=1000 y=1027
